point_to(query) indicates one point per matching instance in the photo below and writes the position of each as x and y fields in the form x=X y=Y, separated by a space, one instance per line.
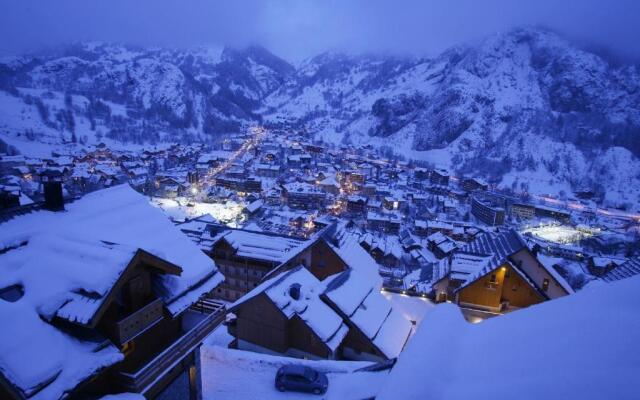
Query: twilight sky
x=295 y=29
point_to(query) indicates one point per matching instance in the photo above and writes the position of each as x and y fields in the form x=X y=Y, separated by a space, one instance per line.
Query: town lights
x=194 y=191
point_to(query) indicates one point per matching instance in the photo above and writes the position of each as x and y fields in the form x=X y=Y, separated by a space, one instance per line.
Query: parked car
x=301 y=379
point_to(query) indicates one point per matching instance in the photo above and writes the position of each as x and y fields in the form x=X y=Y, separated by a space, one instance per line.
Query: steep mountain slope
x=140 y=95
x=525 y=109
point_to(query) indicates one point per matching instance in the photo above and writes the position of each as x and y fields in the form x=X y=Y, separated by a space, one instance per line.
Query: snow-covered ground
x=219 y=337
x=236 y=374
x=582 y=346
x=182 y=209
x=558 y=233
x=414 y=308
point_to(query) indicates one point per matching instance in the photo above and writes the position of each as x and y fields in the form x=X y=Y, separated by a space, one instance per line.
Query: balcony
x=138 y=322
x=209 y=314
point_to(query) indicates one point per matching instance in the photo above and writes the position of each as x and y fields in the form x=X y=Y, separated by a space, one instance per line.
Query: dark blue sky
x=296 y=29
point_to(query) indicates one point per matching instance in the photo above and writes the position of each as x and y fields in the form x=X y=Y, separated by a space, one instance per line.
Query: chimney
x=294 y=291
x=52 y=182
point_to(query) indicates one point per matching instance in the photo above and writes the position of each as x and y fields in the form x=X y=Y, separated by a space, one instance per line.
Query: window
x=545 y=285
x=493 y=278
x=128 y=348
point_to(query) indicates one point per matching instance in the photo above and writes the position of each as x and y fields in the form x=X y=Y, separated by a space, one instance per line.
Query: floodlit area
x=563 y=234
x=180 y=209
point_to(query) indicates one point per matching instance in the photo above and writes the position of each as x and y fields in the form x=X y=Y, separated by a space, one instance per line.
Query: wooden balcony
x=141 y=380
x=136 y=323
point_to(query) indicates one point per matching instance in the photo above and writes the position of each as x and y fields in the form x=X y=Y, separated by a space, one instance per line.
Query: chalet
x=439 y=226
x=285 y=315
x=111 y=310
x=386 y=252
x=245 y=257
x=495 y=274
x=388 y=223
x=340 y=315
x=392 y=202
x=441 y=245
x=253 y=208
x=356 y=204
x=171 y=186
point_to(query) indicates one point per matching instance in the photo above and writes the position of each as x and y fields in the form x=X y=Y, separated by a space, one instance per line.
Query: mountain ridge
x=484 y=109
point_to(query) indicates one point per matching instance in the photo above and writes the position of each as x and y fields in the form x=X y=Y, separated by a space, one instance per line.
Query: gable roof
x=320 y=318
x=261 y=245
x=626 y=270
x=363 y=306
x=68 y=263
x=498 y=248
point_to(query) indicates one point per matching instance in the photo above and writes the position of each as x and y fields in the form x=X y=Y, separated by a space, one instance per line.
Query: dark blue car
x=301 y=379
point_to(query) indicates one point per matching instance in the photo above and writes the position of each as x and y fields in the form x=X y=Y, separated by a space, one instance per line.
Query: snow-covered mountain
x=137 y=95
x=525 y=108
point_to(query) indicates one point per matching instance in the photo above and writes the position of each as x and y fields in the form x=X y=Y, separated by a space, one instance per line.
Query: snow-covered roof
x=572 y=363
x=261 y=246
x=325 y=323
x=67 y=262
x=301 y=187
x=309 y=307
x=347 y=247
x=329 y=181
x=498 y=247
x=626 y=270
x=363 y=304
x=253 y=207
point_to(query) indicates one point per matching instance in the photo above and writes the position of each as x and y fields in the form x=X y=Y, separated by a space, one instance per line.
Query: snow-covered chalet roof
x=67 y=262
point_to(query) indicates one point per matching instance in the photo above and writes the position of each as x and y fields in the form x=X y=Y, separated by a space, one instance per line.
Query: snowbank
x=583 y=346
